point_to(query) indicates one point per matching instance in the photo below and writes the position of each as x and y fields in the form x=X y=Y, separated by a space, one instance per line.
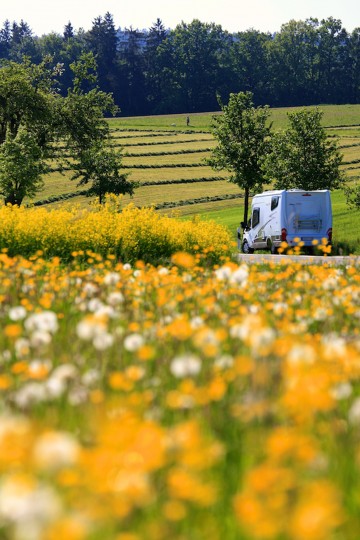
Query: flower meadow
x=182 y=400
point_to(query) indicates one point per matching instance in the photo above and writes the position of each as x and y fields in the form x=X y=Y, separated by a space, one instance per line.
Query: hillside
x=168 y=159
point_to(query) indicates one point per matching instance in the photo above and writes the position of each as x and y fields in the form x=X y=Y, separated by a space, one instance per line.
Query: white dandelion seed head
x=240 y=275
x=196 y=322
x=23 y=501
x=90 y=289
x=133 y=342
x=65 y=372
x=55 y=449
x=45 y=321
x=30 y=394
x=94 y=304
x=185 y=365
x=90 y=327
x=112 y=278
x=342 y=391
x=103 y=341
x=40 y=338
x=301 y=354
x=115 y=298
x=224 y=273
x=17 y=313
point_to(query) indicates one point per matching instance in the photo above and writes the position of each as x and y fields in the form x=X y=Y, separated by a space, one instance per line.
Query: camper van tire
x=245 y=248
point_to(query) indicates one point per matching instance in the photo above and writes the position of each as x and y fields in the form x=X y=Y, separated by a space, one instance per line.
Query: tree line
x=161 y=71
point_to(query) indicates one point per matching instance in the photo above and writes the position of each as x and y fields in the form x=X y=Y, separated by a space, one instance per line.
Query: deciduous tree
x=34 y=116
x=242 y=132
x=101 y=167
x=302 y=156
x=22 y=165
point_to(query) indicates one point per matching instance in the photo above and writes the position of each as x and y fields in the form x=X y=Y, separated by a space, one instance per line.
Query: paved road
x=303 y=259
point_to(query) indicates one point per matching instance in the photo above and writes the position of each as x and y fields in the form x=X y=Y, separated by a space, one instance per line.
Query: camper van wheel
x=270 y=246
x=246 y=248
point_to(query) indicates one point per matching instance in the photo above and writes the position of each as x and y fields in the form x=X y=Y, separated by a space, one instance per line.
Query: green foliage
x=302 y=156
x=192 y=56
x=25 y=99
x=242 y=134
x=353 y=196
x=21 y=167
x=84 y=70
x=170 y=71
x=26 y=127
x=32 y=114
x=101 y=166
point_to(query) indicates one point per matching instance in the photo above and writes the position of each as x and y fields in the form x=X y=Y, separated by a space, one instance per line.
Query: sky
x=45 y=16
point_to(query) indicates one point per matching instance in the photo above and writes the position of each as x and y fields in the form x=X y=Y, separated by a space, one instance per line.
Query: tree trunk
x=246 y=204
x=13 y=199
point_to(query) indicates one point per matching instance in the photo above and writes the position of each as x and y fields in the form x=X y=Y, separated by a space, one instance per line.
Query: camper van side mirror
x=242 y=224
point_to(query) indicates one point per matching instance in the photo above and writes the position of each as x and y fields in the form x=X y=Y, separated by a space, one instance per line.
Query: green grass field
x=334 y=115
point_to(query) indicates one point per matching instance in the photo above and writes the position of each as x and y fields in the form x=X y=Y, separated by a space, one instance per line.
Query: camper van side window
x=255 y=217
x=274 y=203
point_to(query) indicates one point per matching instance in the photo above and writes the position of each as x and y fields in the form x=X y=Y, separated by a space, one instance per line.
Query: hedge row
x=163 y=166
x=58 y=198
x=121 y=130
x=164 y=205
x=157 y=143
x=342 y=126
x=175 y=153
x=341 y=146
x=352 y=162
x=145 y=135
x=183 y=181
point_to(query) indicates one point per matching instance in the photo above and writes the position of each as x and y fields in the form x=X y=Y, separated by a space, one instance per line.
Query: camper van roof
x=280 y=191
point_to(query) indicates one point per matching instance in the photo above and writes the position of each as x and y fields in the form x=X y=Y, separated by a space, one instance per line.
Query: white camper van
x=286 y=215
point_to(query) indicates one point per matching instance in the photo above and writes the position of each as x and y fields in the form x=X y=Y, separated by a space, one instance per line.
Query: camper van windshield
x=274 y=203
x=255 y=217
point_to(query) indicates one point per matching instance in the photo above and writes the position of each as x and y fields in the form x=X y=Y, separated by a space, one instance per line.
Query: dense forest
x=160 y=70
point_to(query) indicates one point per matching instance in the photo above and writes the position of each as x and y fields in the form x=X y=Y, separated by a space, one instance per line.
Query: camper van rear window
x=255 y=217
x=274 y=202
